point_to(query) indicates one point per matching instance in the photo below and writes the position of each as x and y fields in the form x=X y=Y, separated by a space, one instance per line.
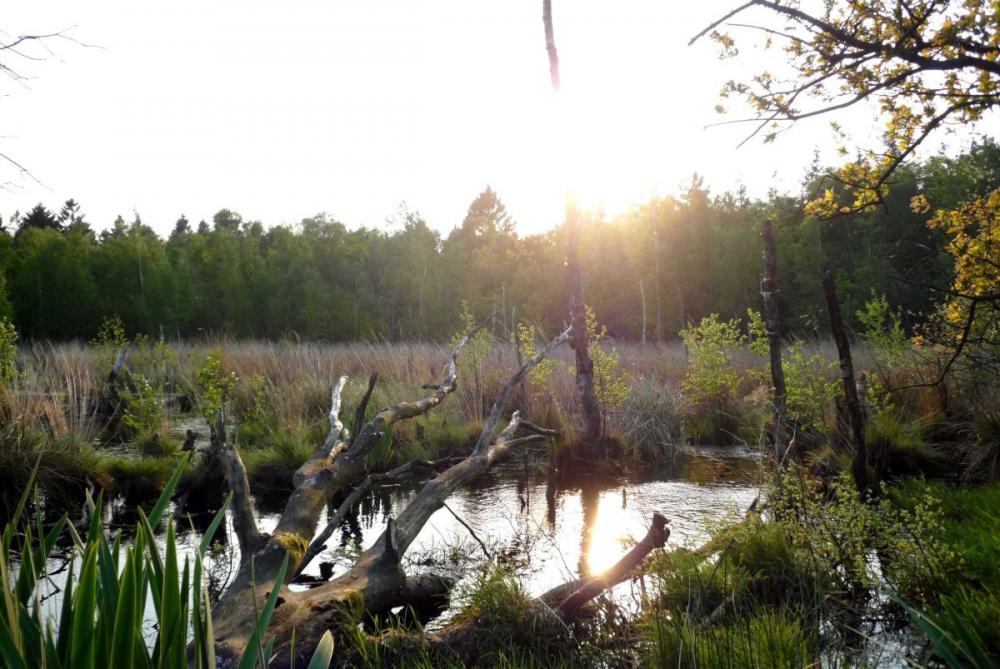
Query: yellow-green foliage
x=538 y=377
x=476 y=349
x=216 y=387
x=109 y=340
x=142 y=405
x=757 y=342
x=711 y=346
x=842 y=533
x=8 y=350
x=152 y=356
x=810 y=392
x=882 y=327
x=796 y=578
x=611 y=383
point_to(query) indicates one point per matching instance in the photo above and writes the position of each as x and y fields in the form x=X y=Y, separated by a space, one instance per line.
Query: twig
x=464 y=524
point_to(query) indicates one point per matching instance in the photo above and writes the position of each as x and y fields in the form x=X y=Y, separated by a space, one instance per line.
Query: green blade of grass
x=122 y=649
x=206 y=538
x=85 y=607
x=168 y=491
x=254 y=650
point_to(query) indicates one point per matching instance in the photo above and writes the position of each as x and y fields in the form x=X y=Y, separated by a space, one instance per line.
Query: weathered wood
x=402 y=473
x=359 y=414
x=589 y=404
x=228 y=458
x=772 y=318
x=550 y=44
x=377 y=578
x=568 y=597
x=859 y=466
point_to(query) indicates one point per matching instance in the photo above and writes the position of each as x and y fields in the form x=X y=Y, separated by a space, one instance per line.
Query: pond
x=549 y=533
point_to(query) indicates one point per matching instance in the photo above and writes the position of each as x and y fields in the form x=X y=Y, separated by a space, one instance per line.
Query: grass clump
x=651 y=421
x=138 y=479
x=498 y=623
x=270 y=468
x=780 y=589
x=765 y=640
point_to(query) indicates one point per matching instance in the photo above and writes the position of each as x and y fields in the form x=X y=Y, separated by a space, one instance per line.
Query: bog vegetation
x=209 y=372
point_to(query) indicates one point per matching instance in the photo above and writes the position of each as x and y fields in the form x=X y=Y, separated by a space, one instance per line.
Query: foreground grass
x=101 y=621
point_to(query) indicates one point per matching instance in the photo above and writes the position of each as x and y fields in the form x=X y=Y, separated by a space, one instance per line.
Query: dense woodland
x=670 y=262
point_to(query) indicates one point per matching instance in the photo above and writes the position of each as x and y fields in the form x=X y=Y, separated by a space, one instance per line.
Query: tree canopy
x=687 y=256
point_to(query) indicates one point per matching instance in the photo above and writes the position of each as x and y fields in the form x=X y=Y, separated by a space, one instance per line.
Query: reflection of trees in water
x=590 y=498
x=372 y=511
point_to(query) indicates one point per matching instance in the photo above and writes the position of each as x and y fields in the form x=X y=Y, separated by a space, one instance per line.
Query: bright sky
x=283 y=110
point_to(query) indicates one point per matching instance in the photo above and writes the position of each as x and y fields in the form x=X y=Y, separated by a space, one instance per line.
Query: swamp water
x=548 y=534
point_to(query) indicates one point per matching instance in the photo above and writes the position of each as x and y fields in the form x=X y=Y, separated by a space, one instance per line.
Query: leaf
x=253 y=649
x=324 y=652
x=168 y=491
x=206 y=538
x=85 y=607
x=125 y=628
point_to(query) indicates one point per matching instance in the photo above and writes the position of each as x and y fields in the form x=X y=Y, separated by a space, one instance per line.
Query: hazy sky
x=284 y=110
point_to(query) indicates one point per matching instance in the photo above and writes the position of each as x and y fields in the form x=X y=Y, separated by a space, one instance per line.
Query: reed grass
x=101 y=618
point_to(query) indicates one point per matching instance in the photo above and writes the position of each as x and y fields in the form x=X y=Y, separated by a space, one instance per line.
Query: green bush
x=142 y=411
x=215 y=388
x=712 y=344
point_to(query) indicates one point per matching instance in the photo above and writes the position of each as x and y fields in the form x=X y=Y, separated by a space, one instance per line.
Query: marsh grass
x=280 y=397
x=757 y=641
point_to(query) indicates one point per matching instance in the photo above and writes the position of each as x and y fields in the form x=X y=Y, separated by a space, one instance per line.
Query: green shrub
x=712 y=345
x=216 y=388
x=881 y=327
x=141 y=401
x=110 y=340
x=611 y=383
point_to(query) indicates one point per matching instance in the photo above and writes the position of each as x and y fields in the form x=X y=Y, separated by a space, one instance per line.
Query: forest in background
x=647 y=273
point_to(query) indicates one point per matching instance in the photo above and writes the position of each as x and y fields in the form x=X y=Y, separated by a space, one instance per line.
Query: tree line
x=646 y=273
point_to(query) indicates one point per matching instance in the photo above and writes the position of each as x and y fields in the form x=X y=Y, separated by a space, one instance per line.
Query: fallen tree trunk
x=568 y=598
x=376 y=583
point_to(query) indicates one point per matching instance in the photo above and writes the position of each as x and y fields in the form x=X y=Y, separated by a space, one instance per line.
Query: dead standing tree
x=772 y=318
x=852 y=400
x=579 y=342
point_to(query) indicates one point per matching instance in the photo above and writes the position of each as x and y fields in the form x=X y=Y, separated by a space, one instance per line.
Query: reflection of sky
x=582 y=530
x=594 y=521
